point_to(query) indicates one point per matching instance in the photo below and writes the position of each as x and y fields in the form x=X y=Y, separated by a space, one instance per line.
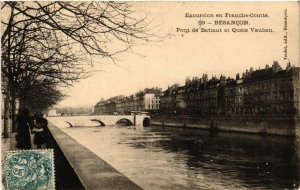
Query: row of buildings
x=142 y=101
x=266 y=92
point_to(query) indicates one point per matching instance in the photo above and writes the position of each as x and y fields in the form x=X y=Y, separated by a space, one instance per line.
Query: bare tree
x=41 y=40
x=32 y=55
x=97 y=28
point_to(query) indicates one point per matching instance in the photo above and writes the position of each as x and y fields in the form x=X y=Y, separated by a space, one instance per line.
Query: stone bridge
x=101 y=120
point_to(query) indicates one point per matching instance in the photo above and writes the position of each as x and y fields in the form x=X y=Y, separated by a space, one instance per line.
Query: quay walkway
x=76 y=167
x=85 y=166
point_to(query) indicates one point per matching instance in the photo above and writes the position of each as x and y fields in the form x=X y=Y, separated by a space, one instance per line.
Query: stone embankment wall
x=79 y=168
x=271 y=126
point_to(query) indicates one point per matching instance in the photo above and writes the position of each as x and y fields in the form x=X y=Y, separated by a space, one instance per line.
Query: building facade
x=268 y=92
x=147 y=100
x=107 y=107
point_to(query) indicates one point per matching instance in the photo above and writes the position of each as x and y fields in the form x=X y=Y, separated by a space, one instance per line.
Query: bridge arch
x=124 y=122
x=99 y=121
x=146 y=122
x=70 y=124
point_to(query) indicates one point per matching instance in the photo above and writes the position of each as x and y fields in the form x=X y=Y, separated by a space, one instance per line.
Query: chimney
x=243 y=76
x=251 y=70
x=267 y=66
x=288 y=66
x=276 y=67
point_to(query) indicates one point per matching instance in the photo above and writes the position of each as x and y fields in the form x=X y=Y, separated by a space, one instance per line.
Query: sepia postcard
x=150 y=95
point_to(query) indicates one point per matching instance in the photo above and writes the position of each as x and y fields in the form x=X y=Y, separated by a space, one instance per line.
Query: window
x=291 y=94
x=282 y=95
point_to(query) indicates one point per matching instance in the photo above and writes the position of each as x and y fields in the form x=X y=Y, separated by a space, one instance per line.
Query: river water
x=169 y=158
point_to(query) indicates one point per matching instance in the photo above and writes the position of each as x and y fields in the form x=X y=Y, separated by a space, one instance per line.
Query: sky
x=191 y=54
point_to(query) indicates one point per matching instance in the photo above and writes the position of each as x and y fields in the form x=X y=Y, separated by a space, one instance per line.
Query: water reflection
x=172 y=158
x=250 y=160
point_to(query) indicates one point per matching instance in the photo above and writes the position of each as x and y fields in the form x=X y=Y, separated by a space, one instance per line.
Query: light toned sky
x=191 y=54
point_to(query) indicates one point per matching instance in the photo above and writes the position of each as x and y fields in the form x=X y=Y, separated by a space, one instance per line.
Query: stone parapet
x=79 y=168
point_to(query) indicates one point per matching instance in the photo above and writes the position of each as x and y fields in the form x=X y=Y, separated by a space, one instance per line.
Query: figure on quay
x=25 y=126
x=40 y=126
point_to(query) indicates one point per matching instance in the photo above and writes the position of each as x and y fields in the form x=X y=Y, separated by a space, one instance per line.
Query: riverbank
x=173 y=158
x=266 y=126
x=79 y=168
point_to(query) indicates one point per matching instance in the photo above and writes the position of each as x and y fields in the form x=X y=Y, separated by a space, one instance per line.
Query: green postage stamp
x=29 y=169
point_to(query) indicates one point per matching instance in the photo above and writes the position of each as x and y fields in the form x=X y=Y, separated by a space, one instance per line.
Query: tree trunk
x=13 y=111
x=5 y=115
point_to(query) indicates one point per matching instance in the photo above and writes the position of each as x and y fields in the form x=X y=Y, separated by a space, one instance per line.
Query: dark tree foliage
x=40 y=95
